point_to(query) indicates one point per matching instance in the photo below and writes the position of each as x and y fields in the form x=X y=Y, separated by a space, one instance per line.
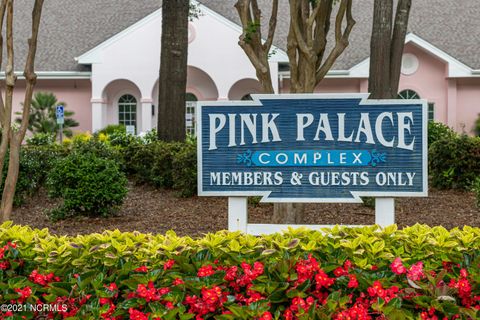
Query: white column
x=384 y=211
x=146 y=114
x=274 y=75
x=237 y=214
x=99 y=114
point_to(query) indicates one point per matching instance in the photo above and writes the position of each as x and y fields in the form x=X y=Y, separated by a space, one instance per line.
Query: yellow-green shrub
x=299 y=274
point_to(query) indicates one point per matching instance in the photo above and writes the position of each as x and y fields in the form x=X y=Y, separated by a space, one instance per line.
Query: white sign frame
x=237 y=200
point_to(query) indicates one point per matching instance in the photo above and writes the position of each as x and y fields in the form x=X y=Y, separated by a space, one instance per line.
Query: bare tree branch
x=251 y=41
x=341 y=38
x=272 y=25
x=3 y=7
x=30 y=76
x=29 y=71
x=398 y=43
x=295 y=9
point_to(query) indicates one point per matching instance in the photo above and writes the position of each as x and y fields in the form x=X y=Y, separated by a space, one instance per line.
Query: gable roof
x=71 y=28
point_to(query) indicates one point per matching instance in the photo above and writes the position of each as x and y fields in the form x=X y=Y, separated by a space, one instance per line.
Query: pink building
x=102 y=58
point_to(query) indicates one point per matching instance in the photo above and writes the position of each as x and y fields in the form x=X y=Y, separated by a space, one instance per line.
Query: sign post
x=60 y=113
x=311 y=148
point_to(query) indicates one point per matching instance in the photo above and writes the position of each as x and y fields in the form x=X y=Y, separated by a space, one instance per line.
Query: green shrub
x=88 y=184
x=100 y=149
x=35 y=163
x=477 y=126
x=454 y=162
x=122 y=139
x=111 y=129
x=439 y=131
x=41 y=139
x=476 y=190
x=360 y=273
x=150 y=137
x=184 y=170
x=153 y=163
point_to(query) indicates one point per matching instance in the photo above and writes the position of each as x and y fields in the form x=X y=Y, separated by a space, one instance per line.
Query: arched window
x=247 y=97
x=190 y=105
x=410 y=94
x=127 y=110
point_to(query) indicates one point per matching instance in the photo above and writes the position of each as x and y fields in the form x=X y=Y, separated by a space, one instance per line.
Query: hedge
x=454 y=162
x=362 y=273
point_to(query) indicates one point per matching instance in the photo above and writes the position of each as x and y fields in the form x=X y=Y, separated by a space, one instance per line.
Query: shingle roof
x=72 y=27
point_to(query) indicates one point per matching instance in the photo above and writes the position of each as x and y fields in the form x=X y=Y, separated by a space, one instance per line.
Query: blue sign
x=60 y=114
x=312 y=148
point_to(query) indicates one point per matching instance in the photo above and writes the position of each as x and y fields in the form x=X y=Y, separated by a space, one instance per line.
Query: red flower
x=347 y=265
x=231 y=273
x=353 y=283
x=266 y=316
x=24 y=293
x=463 y=273
x=306 y=269
x=163 y=291
x=323 y=280
x=397 y=266
x=148 y=292
x=137 y=315
x=41 y=279
x=205 y=271
x=142 y=269
x=169 y=264
x=177 y=282
x=338 y=272
x=416 y=271
x=112 y=287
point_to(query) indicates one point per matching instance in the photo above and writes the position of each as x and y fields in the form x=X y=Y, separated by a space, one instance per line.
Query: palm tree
x=43 y=117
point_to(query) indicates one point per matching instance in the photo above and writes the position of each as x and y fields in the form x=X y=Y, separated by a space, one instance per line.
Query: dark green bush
x=153 y=163
x=100 y=149
x=122 y=139
x=476 y=190
x=477 y=126
x=439 y=131
x=455 y=162
x=88 y=184
x=111 y=129
x=185 y=170
x=41 y=139
x=150 y=136
x=35 y=162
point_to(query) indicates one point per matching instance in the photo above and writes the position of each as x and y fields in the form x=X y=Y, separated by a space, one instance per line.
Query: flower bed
x=364 y=273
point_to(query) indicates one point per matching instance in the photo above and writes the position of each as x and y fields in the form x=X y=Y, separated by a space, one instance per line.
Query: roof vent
x=409 y=64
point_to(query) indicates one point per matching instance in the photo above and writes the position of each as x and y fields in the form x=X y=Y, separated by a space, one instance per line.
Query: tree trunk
x=173 y=70
x=398 y=43
x=306 y=49
x=387 y=43
x=11 y=180
x=379 y=78
x=15 y=138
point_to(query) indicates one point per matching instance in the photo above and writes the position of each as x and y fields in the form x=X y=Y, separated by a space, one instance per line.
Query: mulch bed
x=147 y=209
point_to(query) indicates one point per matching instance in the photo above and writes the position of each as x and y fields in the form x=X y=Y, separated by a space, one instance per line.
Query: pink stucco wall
x=456 y=100
x=429 y=81
x=75 y=93
x=468 y=103
x=329 y=85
